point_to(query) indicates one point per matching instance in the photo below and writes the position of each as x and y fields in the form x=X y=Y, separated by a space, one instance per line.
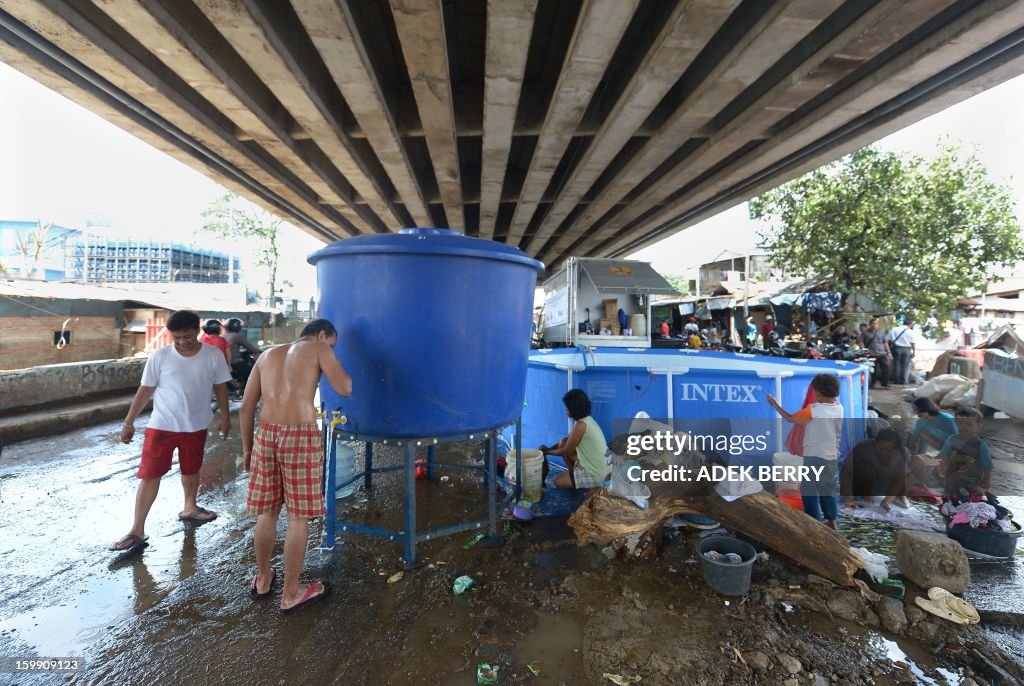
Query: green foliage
x=911 y=234
x=231 y=217
x=678 y=282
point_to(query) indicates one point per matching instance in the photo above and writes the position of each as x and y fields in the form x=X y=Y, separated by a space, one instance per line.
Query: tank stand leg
x=330 y=495
x=519 y=460
x=368 y=467
x=491 y=459
x=409 y=559
x=431 y=450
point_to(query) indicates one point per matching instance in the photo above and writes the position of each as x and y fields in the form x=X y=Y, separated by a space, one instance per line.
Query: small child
x=965 y=458
x=823 y=423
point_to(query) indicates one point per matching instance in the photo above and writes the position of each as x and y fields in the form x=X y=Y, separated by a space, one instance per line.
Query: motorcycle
x=240 y=373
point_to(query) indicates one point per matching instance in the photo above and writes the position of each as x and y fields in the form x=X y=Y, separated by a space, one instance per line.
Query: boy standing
x=823 y=424
x=179 y=379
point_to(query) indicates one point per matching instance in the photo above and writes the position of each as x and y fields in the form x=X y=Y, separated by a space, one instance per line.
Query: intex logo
x=719 y=392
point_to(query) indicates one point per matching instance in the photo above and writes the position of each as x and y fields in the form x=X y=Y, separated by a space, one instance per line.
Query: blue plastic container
x=434 y=328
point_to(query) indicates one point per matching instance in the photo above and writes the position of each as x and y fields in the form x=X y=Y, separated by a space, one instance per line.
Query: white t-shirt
x=901 y=336
x=821 y=434
x=184 y=386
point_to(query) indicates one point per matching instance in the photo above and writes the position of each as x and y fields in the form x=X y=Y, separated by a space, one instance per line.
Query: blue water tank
x=434 y=328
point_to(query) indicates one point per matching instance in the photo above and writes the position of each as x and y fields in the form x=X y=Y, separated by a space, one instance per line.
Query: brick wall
x=28 y=341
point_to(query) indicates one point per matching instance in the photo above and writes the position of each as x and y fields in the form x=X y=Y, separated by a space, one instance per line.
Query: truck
x=583 y=298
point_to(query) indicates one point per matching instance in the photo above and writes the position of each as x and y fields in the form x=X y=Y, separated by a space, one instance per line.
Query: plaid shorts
x=581 y=478
x=287 y=467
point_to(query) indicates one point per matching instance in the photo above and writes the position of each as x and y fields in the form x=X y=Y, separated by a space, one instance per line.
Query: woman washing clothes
x=584 y=449
x=875 y=471
x=933 y=429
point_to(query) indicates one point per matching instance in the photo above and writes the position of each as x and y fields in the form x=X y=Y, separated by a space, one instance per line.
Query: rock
x=932 y=559
x=914 y=614
x=789 y=663
x=969 y=682
x=819 y=680
x=790 y=682
x=870 y=618
x=757 y=661
x=890 y=612
x=846 y=605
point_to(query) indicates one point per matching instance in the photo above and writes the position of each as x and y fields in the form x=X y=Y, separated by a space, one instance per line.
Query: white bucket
x=638 y=323
x=533 y=473
x=787 y=460
x=345 y=469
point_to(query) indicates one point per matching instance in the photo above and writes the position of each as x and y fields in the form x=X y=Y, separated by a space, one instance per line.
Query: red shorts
x=287 y=467
x=159 y=446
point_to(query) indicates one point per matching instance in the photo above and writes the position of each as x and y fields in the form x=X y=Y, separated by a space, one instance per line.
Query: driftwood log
x=605 y=519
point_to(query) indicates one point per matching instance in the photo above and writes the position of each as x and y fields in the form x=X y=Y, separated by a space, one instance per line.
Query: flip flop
x=197 y=516
x=957 y=605
x=137 y=542
x=270 y=591
x=940 y=609
x=308 y=598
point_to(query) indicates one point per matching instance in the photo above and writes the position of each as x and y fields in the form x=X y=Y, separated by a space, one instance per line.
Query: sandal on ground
x=200 y=516
x=129 y=542
x=314 y=592
x=255 y=585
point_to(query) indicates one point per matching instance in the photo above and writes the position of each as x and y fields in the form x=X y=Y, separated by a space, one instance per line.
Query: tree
x=231 y=217
x=31 y=246
x=913 y=235
x=678 y=282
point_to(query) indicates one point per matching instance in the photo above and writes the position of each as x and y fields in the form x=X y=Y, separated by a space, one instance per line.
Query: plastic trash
x=397 y=576
x=534 y=668
x=713 y=555
x=462 y=584
x=473 y=541
x=620 y=680
x=732 y=558
x=487 y=673
x=622 y=487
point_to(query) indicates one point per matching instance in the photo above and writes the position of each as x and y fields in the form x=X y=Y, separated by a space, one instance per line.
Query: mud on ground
x=181 y=612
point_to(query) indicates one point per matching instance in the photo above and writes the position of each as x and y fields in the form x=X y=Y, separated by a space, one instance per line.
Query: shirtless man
x=286 y=455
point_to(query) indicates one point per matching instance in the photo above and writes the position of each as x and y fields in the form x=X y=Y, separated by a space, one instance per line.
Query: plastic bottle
x=462 y=584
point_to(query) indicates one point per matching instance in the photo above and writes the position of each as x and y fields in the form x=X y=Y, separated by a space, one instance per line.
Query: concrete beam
x=63 y=25
x=1010 y=70
x=687 y=31
x=509 y=27
x=971 y=32
x=332 y=29
x=208 y=65
x=599 y=30
x=420 y=25
x=863 y=39
x=775 y=33
x=286 y=72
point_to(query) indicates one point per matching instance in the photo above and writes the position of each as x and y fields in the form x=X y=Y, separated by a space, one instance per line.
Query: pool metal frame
x=408 y=534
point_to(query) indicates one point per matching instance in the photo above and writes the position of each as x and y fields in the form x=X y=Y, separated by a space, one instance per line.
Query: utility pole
x=746 y=284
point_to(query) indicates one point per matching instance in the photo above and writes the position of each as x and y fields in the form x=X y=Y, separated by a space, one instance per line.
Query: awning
x=723 y=302
x=624 y=276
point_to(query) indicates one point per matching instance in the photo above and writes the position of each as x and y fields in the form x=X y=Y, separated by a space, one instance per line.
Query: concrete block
x=932 y=559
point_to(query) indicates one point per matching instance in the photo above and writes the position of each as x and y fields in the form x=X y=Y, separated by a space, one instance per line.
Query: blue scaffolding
x=410 y=446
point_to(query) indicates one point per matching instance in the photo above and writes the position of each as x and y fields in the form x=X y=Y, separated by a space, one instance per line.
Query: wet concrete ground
x=180 y=613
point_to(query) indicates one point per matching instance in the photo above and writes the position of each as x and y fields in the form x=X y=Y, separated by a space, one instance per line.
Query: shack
x=597 y=301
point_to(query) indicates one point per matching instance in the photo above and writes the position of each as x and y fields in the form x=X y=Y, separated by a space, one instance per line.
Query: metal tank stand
x=408 y=534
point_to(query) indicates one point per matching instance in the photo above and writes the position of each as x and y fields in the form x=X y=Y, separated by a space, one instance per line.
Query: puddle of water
x=69 y=628
x=883 y=648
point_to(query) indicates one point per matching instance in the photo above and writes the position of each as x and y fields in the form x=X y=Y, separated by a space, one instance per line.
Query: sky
x=60 y=163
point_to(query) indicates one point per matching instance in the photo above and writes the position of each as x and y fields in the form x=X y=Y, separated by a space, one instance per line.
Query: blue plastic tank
x=434 y=328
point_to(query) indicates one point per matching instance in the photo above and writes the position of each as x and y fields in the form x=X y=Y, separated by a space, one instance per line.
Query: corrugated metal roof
x=201 y=297
x=627 y=276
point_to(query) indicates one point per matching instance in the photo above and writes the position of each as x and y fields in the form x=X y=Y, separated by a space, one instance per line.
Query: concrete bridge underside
x=565 y=127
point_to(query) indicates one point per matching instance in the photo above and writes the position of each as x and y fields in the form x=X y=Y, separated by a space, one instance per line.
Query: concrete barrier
x=24 y=389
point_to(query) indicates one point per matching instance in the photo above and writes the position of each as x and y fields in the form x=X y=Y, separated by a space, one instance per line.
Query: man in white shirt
x=902 y=346
x=179 y=379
